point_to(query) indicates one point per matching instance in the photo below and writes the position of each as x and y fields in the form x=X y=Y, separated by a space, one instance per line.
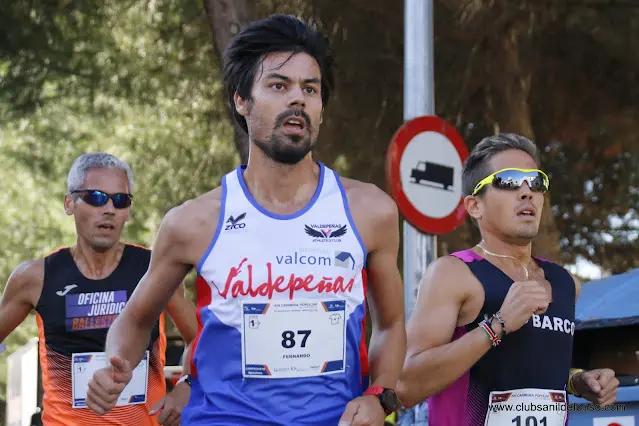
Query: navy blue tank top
x=538 y=355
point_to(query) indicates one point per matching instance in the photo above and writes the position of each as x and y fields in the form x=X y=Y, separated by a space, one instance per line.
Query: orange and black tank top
x=73 y=315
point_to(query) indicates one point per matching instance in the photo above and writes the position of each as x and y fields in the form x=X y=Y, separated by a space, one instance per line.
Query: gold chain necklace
x=480 y=245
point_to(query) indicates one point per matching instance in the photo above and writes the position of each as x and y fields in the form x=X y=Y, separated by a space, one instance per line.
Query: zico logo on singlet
x=246 y=286
x=235 y=222
x=86 y=311
x=554 y=324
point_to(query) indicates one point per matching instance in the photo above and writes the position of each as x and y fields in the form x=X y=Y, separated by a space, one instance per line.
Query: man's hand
x=171 y=406
x=597 y=386
x=107 y=384
x=524 y=299
x=363 y=411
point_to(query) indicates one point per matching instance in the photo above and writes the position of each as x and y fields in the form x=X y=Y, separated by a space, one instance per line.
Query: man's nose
x=109 y=208
x=296 y=97
x=525 y=193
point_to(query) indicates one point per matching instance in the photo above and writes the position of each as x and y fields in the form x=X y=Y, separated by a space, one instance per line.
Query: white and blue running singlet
x=281 y=312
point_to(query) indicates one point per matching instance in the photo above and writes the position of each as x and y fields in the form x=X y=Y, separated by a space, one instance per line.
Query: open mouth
x=294 y=123
x=529 y=212
x=106 y=227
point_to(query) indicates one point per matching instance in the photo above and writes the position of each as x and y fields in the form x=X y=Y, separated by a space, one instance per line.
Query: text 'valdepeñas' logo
x=240 y=283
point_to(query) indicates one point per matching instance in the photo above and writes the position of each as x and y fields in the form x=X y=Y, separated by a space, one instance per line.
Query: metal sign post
x=424 y=165
x=419 y=100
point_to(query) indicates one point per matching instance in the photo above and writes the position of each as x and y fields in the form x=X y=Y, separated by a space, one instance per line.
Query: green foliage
x=138 y=79
x=577 y=67
x=135 y=79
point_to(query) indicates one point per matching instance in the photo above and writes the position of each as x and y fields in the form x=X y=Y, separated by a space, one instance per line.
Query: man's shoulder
x=364 y=195
x=365 y=190
x=451 y=267
x=192 y=214
x=29 y=269
x=28 y=278
x=447 y=265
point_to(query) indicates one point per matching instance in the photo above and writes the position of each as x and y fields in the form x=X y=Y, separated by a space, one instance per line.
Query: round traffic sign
x=423 y=166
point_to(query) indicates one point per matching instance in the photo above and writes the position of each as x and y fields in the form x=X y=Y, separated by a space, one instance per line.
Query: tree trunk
x=227 y=18
x=508 y=106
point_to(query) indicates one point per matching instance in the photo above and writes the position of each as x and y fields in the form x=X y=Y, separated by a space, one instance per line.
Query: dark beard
x=278 y=149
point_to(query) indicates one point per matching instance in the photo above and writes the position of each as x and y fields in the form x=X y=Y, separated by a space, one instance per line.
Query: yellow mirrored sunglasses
x=512 y=178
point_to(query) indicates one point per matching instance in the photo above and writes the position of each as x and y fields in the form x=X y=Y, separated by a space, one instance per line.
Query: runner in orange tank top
x=77 y=292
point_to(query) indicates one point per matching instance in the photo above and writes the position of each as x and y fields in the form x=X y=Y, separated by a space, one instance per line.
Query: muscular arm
x=186 y=359
x=433 y=362
x=20 y=295
x=130 y=333
x=387 y=347
x=182 y=312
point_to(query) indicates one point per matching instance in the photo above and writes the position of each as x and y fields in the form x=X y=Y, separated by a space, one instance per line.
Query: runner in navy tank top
x=490 y=339
x=289 y=257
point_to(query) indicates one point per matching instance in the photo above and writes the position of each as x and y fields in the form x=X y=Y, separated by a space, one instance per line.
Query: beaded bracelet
x=489 y=321
x=491 y=334
x=500 y=320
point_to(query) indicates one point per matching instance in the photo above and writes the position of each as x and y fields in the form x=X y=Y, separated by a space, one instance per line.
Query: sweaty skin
x=97 y=254
x=181 y=243
x=24 y=287
x=433 y=362
x=282 y=177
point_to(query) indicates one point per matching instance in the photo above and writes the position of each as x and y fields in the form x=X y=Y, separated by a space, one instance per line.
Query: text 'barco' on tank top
x=74 y=314
x=281 y=308
x=522 y=381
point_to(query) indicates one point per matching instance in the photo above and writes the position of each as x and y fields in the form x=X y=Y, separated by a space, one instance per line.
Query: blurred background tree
x=141 y=80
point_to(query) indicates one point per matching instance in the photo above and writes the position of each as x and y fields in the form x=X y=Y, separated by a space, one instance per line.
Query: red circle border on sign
x=399 y=142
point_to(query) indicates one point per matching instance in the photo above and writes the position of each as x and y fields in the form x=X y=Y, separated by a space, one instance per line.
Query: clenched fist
x=107 y=384
x=524 y=299
x=597 y=386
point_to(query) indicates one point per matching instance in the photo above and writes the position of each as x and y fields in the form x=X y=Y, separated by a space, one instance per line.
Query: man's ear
x=241 y=105
x=68 y=204
x=473 y=207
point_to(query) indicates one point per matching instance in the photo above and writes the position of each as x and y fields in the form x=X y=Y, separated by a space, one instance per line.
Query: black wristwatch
x=387 y=398
x=186 y=379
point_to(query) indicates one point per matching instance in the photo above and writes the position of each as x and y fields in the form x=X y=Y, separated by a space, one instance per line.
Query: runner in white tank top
x=289 y=256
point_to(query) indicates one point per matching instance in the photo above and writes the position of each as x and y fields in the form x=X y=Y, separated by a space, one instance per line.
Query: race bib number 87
x=293 y=339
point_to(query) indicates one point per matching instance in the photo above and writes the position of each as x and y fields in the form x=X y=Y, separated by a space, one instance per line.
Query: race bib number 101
x=293 y=339
x=527 y=407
